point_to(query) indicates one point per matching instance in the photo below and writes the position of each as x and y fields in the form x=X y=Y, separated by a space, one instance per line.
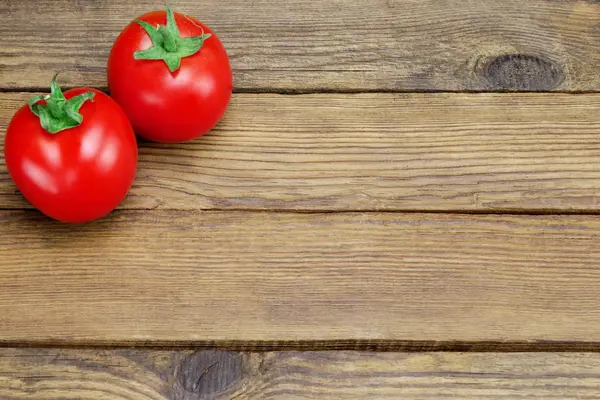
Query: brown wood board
x=343 y=45
x=387 y=152
x=42 y=374
x=173 y=277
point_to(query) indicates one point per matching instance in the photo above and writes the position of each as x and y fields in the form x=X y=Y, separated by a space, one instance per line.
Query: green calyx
x=167 y=43
x=58 y=113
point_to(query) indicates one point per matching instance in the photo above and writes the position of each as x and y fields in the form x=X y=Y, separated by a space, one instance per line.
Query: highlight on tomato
x=73 y=155
x=172 y=76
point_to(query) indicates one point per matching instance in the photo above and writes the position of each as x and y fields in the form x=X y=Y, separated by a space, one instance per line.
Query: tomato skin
x=78 y=174
x=167 y=106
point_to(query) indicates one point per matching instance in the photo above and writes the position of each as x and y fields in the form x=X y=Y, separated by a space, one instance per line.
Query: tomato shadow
x=143 y=142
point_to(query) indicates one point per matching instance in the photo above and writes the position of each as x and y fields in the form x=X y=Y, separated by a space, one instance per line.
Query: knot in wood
x=523 y=72
x=208 y=372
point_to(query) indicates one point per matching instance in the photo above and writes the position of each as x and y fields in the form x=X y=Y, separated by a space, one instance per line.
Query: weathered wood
x=433 y=152
x=329 y=45
x=85 y=375
x=172 y=277
x=36 y=374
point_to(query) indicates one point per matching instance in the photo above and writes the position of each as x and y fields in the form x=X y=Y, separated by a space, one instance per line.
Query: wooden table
x=418 y=178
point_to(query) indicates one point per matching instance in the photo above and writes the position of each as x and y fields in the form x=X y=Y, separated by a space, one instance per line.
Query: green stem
x=58 y=113
x=167 y=43
x=169 y=40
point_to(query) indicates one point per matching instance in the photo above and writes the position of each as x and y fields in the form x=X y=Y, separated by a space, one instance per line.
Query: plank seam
x=350 y=211
x=321 y=345
x=292 y=92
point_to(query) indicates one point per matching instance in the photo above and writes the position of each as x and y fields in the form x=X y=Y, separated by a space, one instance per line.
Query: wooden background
x=417 y=178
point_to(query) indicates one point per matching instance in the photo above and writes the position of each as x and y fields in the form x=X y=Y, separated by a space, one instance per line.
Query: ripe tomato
x=171 y=75
x=73 y=156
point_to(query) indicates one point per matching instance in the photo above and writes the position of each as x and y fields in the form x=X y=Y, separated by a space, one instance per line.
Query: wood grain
x=341 y=45
x=393 y=152
x=36 y=374
x=172 y=277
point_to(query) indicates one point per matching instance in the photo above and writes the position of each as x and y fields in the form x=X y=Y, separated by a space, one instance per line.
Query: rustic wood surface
x=169 y=277
x=335 y=219
x=36 y=374
x=429 y=152
x=329 y=45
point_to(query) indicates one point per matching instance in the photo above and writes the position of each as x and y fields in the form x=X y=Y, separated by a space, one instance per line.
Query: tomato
x=171 y=75
x=73 y=156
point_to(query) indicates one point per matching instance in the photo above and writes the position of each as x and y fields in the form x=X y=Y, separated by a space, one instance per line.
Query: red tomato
x=81 y=172
x=171 y=75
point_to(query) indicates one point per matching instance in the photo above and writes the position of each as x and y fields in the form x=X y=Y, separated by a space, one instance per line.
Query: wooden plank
x=396 y=152
x=168 y=277
x=330 y=45
x=36 y=374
